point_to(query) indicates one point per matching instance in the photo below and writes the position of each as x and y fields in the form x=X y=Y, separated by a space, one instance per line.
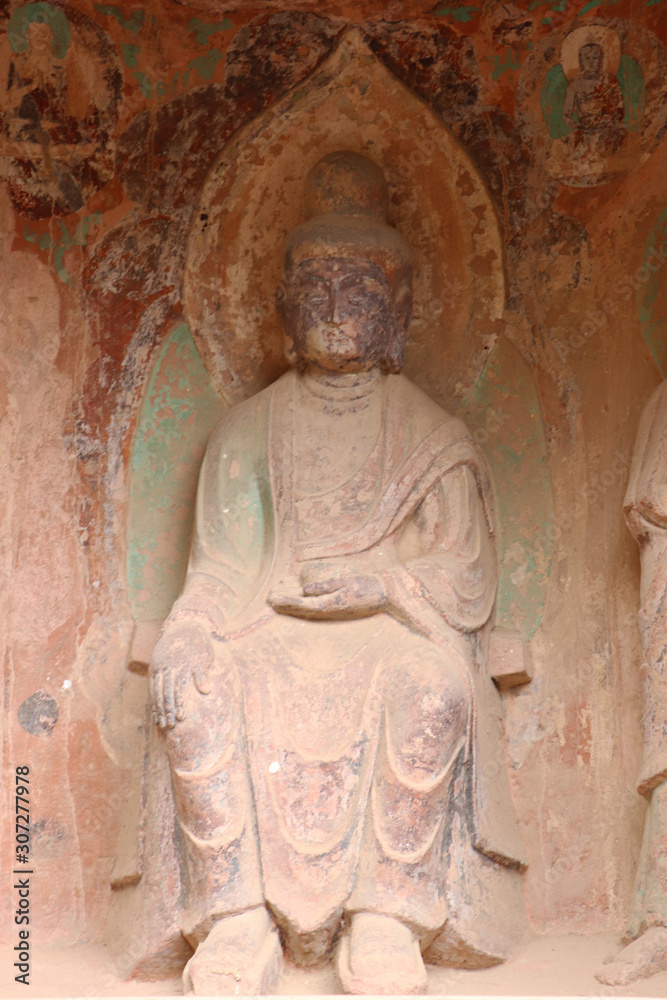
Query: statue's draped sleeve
x=232 y=544
x=448 y=575
x=446 y=549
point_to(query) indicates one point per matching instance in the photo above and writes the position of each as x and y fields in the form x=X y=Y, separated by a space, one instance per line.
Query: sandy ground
x=548 y=966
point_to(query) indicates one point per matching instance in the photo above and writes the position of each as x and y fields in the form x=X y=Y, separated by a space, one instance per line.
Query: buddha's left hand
x=333 y=594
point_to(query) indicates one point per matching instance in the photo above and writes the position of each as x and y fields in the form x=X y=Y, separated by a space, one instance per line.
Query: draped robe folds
x=646 y=514
x=354 y=764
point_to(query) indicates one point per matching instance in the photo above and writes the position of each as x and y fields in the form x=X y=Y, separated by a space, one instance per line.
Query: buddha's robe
x=597 y=104
x=646 y=514
x=327 y=766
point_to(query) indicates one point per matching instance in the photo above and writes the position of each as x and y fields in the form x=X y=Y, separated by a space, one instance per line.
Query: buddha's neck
x=338 y=392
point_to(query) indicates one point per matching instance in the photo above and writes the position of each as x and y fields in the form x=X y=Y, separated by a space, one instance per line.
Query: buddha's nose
x=335 y=308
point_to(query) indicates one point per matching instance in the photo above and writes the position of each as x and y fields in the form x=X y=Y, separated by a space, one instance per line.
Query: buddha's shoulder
x=421 y=412
x=247 y=419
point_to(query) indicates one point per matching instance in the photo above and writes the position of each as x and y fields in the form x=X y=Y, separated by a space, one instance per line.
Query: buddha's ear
x=282 y=304
x=403 y=306
x=394 y=359
x=395 y=355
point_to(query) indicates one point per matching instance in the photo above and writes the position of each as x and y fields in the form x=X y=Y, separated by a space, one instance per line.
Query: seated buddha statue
x=317 y=682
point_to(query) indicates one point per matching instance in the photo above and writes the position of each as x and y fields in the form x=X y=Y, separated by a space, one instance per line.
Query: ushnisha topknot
x=346 y=203
x=345 y=183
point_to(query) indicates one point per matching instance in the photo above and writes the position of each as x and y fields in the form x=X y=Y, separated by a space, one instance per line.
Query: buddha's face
x=39 y=36
x=340 y=314
x=591 y=58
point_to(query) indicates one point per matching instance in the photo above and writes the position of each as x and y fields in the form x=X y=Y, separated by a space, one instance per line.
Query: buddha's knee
x=426 y=710
x=208 y=766
x=212 y=802
x=211 y=724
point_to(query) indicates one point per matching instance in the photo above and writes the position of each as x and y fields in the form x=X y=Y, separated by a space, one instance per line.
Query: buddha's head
x=39 y=36
x=346 y=297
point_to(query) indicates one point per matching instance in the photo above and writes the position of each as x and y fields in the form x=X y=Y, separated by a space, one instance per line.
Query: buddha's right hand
x=183 y=651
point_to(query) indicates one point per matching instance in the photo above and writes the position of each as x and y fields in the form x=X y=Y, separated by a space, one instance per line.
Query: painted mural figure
x=321 y=681
x=646 y=514
x=54 y=128
x=594 y=106
x=40 y=125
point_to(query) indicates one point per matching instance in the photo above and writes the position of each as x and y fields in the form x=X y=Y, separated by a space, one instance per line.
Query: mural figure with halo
x=591 y=100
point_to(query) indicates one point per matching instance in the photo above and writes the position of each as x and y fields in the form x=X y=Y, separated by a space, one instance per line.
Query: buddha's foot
x=242 y=956
x=644 y=957
x=380 y=956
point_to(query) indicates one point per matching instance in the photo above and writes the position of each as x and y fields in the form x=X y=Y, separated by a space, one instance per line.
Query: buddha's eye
x=357 y=295
x=313 y=293
x=363 y=291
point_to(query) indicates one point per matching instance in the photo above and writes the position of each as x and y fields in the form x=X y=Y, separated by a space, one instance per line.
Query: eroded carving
x=646 y=514
x=321 y=684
